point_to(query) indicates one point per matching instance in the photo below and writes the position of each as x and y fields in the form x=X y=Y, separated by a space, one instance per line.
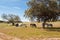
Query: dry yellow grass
x=23 y=32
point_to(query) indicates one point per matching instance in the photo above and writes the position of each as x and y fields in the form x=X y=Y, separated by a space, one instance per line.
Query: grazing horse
x=23 y=25
x=46 y=24
x=17 y=25
x=33 y=25
x=49 y=25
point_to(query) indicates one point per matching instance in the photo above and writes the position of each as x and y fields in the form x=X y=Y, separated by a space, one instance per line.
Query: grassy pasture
x=22 y=32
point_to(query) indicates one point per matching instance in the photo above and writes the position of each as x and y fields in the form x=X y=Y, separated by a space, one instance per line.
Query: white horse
x=47 y=25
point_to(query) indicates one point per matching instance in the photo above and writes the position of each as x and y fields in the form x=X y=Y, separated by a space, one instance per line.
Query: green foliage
x=11 y=17
x=45 y=10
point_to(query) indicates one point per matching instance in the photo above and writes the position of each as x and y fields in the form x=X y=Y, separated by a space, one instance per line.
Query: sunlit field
x=22 y=32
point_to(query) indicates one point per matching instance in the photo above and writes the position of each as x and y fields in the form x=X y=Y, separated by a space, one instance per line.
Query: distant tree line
x=11 y=18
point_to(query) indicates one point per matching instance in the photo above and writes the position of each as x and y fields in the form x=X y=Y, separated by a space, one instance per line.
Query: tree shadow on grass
x=53 y=29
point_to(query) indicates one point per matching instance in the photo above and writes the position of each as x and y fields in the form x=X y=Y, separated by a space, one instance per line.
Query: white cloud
x=9 y=10
x=12 y=8
x=16 y=7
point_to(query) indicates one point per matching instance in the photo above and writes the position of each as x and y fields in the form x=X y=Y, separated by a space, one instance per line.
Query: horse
x=49 y=25
x=33 y=25
x=46 y=24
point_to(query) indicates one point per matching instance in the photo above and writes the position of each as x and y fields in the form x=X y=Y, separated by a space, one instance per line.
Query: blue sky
x=16 y=7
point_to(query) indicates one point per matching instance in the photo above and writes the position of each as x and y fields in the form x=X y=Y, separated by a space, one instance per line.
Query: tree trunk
x=43 y=24
x=13 y=24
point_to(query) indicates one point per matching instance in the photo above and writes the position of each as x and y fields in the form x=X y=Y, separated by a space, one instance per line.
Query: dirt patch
x=7 y=37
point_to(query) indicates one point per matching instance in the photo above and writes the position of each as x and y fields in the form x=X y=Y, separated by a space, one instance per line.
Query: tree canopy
x=11 y=18
x=45 y=10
